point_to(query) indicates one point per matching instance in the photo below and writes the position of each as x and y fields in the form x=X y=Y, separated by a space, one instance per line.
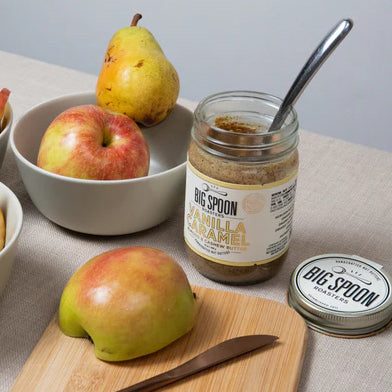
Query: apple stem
x=136 y=19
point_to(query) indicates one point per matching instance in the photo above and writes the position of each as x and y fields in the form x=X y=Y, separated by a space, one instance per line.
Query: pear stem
x=136 y=19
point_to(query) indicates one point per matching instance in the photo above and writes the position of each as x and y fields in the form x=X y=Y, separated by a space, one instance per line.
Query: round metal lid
x=342 y=295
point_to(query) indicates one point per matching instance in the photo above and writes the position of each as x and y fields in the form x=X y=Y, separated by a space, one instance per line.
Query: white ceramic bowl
x=6 y=125
x=13 y=215
x=105 y=207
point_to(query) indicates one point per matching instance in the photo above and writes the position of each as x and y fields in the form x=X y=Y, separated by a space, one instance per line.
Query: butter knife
x=213 y=356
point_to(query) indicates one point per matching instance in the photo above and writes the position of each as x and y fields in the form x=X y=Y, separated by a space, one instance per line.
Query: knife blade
x=213 y=356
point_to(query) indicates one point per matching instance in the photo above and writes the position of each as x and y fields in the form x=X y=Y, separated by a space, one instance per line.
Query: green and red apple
x=130 y=301
x=4 y=95
x=90 y=142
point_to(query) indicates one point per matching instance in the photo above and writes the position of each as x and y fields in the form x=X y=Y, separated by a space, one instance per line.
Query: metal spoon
x=321 y=53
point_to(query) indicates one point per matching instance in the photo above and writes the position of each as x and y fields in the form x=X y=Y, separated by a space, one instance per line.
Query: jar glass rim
x=253 y=112
x=292 y=118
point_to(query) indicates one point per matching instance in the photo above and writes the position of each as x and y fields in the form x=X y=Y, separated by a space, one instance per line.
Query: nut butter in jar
x=240 y=187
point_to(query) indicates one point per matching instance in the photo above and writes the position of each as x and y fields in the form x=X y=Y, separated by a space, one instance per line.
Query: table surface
x=343 y=205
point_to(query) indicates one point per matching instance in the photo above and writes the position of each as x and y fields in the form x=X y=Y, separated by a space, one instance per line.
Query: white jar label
x=238 y=224
x=343 y=283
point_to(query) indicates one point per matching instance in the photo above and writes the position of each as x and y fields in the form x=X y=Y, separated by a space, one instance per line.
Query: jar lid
x=342 y=295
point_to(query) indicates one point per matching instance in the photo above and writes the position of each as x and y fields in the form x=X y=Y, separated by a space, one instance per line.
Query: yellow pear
x=136 y=77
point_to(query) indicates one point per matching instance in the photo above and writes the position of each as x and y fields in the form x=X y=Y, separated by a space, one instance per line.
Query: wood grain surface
x=64 y=364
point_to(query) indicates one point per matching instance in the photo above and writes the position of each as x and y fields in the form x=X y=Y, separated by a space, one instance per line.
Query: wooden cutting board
x=60 y=363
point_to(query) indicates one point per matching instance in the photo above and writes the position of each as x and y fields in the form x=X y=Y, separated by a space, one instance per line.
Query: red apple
x=4 y=94
x=94 y=143
x=130 y=301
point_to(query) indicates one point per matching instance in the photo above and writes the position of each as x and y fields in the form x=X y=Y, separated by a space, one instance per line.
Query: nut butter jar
x=240 y=187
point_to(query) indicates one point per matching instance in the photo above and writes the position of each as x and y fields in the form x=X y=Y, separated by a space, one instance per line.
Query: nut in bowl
x=104 y=207
x=10 y=229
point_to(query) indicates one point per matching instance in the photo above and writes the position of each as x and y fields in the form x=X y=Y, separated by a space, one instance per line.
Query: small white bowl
x=105 y=207
x=6 y=125
x=13 y=216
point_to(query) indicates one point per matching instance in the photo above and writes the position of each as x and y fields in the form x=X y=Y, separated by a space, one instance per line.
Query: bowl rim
x=60 y=177
x=19 y=224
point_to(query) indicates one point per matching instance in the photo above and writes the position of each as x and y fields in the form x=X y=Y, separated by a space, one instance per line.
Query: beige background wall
x=225 y=44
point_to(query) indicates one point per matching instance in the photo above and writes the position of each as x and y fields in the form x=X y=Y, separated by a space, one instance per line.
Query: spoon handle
x=321 y=53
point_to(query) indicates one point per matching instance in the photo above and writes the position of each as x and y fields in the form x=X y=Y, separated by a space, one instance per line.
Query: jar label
x=238 y=224
x=343 y=283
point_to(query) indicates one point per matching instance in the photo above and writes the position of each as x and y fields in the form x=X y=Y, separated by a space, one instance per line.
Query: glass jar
x=240 y=187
